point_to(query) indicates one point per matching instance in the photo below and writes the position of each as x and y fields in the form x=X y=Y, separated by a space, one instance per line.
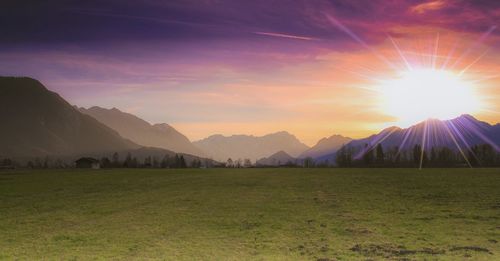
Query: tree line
x=176 y=161
x=167 y=161
x=483 y=155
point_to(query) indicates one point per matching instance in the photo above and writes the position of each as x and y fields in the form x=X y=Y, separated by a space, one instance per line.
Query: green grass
x=251 y=214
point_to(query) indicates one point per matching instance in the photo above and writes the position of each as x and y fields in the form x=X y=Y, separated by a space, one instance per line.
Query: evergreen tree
x=165 y=162
x=105 y=162
x=308 y=162
x=182 y=162
x=156 y=163
x=229 y=163
x=368 y=156
x=433 y=158
x=417 y=154
x=128 y=161
x=380 y=155
x=147 y=162
x=343 y=157
x=116 y=160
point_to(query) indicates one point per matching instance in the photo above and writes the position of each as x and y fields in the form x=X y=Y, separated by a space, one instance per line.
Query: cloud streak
x=287 y=36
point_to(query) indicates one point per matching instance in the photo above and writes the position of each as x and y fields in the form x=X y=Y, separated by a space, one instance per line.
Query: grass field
x=251 y=214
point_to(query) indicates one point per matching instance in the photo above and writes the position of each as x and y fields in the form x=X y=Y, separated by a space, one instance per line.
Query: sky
x=250 y=67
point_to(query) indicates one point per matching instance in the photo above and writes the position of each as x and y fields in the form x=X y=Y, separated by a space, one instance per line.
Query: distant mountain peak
x=326 y=145
x=281 y=153
x=277 y=159
x=248 y=146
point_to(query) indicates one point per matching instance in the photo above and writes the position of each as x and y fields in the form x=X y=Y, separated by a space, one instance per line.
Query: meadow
x=250 y=214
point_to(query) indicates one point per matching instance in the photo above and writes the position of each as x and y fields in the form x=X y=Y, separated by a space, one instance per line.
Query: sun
x=420 y=94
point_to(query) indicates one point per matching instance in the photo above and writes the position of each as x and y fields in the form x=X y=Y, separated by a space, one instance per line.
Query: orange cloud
x=429 y=6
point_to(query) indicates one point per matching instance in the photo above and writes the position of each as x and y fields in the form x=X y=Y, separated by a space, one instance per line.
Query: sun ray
x=456 y=143
x=424 y=140
x=472 y=63
x=401 y=54
x=355 y=37
x=378 y=140
x=436 y=47
x=449 y=56
x=474 y=45
x=407 y=134
x=470 y=126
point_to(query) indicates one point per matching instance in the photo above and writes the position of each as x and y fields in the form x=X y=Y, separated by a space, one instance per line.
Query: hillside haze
x=250 y=147
x=38 y=122
x=142 y=132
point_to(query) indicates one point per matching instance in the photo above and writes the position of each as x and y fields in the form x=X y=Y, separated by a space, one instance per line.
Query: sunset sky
x=251 y=67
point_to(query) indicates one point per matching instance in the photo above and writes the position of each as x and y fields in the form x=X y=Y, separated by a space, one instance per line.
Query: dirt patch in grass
x=471 y=248
x=358 y=231
x=388 y=250
x=247 y=225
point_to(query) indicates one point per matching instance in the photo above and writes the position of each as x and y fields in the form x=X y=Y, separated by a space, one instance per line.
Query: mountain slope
x=462 y=132
x=325 y=146
x=244 y=146
x=279 y=158
x=38 y=122
x=141 y=132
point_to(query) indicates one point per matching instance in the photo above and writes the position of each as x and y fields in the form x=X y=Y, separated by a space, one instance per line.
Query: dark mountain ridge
x=142 y=132
x=38 y=122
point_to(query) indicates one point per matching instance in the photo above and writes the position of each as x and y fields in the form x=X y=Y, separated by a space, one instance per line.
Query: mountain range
x=221 y=147
x=459 y=133
x=37 y=122
x=141 y=132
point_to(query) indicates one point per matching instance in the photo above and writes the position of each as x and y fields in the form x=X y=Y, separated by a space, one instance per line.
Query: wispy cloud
x=429 y=6
x=287 y=36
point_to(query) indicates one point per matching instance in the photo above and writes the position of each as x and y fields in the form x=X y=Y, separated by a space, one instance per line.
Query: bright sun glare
x=421 y=94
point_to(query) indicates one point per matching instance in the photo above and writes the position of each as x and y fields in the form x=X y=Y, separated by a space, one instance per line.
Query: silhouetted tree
x=116 y=160
x=238 y=163
x=308 y=162
x=247 y=163
x=105 y=162
x=368 y=156
x=147 y=162
x=229 y=163
x=165 y=162
x=425 y=159
x=46 y=163
x=196 y=163
x=343 y=157
x=380 y=154
x=417 y=153
x=30 y=164
x=135 y=162
x=156 y=163
x=182 y=162
x=128 y=161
